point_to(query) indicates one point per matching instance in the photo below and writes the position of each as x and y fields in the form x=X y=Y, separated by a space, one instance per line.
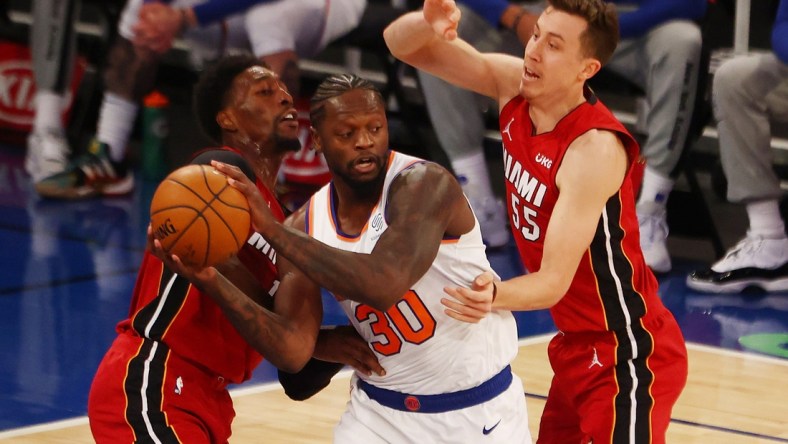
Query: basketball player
x=165 y=377
x=619 y=359
x=386 y=256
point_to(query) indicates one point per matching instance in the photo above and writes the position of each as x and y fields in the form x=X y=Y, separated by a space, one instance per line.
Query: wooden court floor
x=730 y=398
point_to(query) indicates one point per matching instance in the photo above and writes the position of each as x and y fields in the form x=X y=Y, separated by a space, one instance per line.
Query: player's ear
x=591 y=66
x=317 y=144
x=226 y=121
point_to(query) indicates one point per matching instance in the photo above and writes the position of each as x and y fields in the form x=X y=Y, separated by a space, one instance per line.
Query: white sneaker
x=47 y=154
x=492 y=221
x=653 y=223
x=754 y=261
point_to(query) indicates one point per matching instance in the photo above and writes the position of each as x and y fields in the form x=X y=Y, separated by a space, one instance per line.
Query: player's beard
x=286 y=144
x=364 y=187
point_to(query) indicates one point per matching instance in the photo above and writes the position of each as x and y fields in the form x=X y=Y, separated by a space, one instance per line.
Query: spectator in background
x=277 y=31
x=457 y=114
x=660 y=51
x=52 y=43
x=747 y=91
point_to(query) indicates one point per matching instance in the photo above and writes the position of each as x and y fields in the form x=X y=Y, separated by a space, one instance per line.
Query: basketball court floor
x=67 y=270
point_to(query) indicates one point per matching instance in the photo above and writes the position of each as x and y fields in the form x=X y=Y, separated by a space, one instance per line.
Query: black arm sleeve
x=315 y=376
x=225 y=156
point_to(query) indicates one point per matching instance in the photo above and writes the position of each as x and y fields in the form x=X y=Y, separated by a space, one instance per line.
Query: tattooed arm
x=286 y=334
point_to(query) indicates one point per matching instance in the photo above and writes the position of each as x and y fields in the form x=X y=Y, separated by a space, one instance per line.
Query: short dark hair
x=333 y=86
x=600 y=38
x=211 y=94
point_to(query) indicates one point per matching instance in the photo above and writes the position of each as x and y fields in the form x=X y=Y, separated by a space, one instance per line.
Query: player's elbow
x=555 y=287
x=383 y=288
x=560 y=289
x=380 y=298
x=392 y=41
x=294 y=363
x=406 y=35
x=294 y=355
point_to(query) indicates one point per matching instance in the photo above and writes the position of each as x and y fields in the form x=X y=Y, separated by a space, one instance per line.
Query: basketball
x=198 y=216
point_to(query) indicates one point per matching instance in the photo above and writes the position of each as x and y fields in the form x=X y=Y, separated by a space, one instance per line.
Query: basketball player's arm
x=401 y=256
x=335 y=347
x=592 y=171
x=285 y=335
x=428 y=41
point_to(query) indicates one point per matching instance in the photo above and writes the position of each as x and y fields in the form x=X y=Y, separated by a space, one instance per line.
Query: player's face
x=263 y=109
x=554 y=61
x=354 y=137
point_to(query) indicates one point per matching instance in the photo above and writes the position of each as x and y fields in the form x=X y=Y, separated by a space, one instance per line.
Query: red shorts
x=615 y=387
x=142 y=390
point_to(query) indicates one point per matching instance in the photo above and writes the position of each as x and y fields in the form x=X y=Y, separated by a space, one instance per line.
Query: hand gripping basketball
x=260 y=212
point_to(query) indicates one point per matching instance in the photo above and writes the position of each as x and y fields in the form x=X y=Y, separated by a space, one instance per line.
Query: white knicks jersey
x=422 y=349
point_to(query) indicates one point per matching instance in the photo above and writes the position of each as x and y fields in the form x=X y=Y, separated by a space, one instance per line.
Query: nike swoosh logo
x=487 y=431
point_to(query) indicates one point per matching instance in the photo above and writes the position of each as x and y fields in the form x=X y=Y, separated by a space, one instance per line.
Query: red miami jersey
x=165 y=307
x=612 y=288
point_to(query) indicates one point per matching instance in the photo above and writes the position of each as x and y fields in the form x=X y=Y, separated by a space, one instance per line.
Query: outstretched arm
x=592 y=171
x=402 y=254
x=428 y=40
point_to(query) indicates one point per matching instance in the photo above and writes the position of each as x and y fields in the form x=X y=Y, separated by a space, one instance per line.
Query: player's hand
x=200 y=276
x=260 y=212
x=158 y=26
x=344 y=345
x=443 y=16
x=470 y=304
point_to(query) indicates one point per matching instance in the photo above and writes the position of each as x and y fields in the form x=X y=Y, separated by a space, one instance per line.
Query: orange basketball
x=198 y=216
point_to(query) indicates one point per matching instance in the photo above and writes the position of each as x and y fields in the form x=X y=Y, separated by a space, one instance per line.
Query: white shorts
x=504 y=419
x=302 y=26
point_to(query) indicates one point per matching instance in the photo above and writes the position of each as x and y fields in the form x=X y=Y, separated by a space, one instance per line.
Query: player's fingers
x=461 y=317
x=455 y=15
x=174 y=263
x=235 y=177
x=455 y=293
x=453 y=304
x=361 y=366
x=149 y=237
x=483 y=280
x=475 y=310
x=368 y=359
x=450 y=303
x=469 y=296
x=448 y=6
x=231 y=171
